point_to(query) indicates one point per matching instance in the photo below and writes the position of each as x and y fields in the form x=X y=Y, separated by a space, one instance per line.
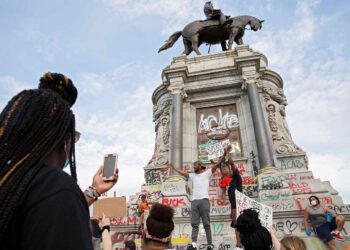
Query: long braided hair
x=64 y=86
x=34 y=124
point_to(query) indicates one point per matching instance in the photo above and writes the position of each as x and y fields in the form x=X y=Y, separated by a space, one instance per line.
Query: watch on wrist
x=92 y=193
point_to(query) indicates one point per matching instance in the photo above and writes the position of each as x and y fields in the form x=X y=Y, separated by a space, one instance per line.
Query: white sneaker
x=238 y=248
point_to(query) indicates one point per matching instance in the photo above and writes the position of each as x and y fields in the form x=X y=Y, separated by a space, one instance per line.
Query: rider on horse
x=213 y=14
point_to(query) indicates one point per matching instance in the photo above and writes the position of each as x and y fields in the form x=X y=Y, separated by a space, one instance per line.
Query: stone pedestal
x=233 y=96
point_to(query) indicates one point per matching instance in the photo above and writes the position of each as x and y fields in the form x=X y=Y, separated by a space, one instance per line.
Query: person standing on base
x=200 y=205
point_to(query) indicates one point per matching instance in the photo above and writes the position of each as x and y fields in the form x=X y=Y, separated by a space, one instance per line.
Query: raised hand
x=228 y=149
x=101 y=185
x=104 y=221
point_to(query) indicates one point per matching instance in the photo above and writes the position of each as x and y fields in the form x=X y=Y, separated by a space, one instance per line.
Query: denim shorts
x=324 y=231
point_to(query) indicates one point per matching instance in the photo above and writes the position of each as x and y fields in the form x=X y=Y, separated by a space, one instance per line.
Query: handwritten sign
x=265 y=212
x=216 y=150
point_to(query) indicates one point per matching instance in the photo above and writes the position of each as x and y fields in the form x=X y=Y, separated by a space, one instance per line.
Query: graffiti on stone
x=251 y=190
x=133 y=210
x=302 y=176
x=123 y=220
x=275 y=195
x=289 y=226
x=175 y=201
x=156 y=176
x=219 y=121
x=246 y=180
x=215 y=125
x=300 y=188
x=287 y=205
x=174 y=188
x=307 y=187
x=182 y=230
x=298 y=203
x=272 y=182
x=151 y=188
x=340 y=209
x=288 y=164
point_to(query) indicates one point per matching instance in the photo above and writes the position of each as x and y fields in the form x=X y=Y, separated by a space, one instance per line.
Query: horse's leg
x=223 y=46
x=239 y=39
x=194 y=41
x=187 y=45
x=233 y=33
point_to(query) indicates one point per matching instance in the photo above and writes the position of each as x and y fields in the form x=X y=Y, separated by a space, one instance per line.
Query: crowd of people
x=42 y=207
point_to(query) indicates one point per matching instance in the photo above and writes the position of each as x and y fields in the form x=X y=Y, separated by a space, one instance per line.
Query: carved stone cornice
x=178 y=89
x=250 y=78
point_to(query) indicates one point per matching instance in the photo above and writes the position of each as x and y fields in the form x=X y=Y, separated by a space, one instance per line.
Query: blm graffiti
x=214 y=125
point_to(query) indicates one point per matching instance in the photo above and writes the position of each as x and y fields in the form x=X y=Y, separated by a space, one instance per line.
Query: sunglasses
x=77 y=135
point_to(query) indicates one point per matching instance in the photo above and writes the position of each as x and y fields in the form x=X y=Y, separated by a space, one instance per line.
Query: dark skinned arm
x=184 y=173
x=221 y=159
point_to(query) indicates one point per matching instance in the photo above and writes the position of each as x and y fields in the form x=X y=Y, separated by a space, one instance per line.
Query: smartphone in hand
x=109 y=166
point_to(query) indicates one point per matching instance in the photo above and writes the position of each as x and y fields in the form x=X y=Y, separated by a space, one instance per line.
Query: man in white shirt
x=200 y=205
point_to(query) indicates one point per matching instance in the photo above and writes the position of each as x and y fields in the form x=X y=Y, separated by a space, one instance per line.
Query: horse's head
x=256 y=24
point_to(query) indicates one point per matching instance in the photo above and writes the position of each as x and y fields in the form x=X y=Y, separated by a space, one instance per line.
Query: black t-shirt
x=53 y=214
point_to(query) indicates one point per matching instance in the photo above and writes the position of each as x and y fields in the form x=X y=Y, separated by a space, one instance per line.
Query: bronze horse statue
x=211 y=32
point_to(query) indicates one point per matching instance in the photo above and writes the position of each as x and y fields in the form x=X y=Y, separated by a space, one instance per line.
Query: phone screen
x=109 y=165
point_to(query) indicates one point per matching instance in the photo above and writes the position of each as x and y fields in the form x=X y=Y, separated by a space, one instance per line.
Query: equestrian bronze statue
x=216 y=29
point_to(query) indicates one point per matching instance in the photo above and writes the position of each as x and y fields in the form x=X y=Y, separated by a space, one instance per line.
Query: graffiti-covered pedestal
x=229 y=97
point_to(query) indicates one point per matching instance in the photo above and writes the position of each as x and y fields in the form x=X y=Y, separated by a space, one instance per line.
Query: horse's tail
x=170 y=42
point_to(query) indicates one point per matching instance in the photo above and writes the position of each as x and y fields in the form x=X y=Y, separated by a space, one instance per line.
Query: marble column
x=176 y=117
x=263 y=140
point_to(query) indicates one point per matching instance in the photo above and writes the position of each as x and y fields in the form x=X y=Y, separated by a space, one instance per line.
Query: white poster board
x=216 y=150
x=265 y=212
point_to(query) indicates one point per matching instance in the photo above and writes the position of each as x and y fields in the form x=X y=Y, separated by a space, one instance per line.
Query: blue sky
x=109 y=49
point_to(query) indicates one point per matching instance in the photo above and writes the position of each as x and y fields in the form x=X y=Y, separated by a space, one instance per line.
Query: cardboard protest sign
x=111 y=207
x=216 y=150
x=265 y=212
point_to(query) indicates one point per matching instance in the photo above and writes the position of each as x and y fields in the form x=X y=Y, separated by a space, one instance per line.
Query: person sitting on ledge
x=324 y=221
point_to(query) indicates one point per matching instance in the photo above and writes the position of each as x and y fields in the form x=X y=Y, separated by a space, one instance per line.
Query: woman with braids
x=252 y=234
x=64 y=86
x=41 y=207
x=159 y=226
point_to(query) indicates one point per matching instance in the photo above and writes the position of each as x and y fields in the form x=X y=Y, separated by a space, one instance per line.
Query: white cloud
x=114 y=114
x=333 y=168
x=45 y=44
x=114 y=110
x=317 y=85
x=10 y=86
x=121 y=124
x=174 y=14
